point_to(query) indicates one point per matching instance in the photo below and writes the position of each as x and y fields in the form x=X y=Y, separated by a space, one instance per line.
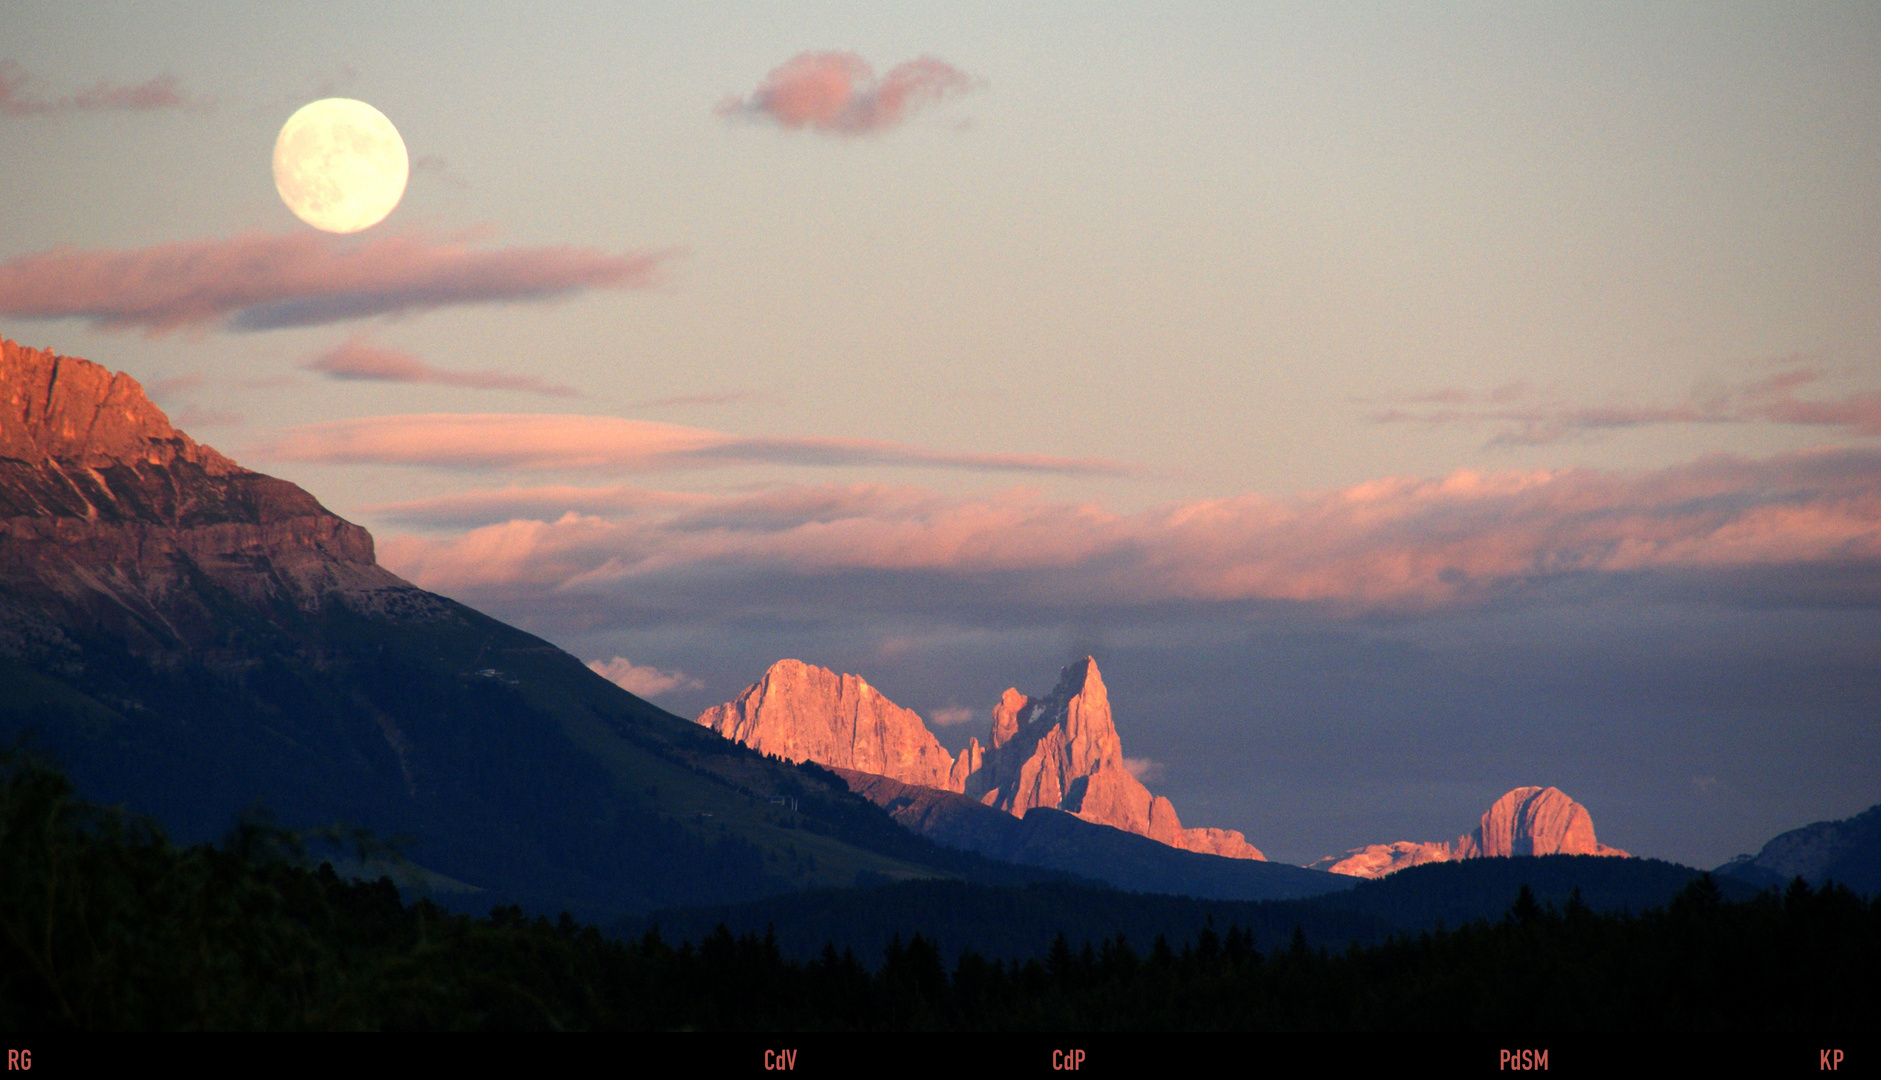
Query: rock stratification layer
x=1526 y=821
x=805 y=713
x=112 y=518
x=1060 y=752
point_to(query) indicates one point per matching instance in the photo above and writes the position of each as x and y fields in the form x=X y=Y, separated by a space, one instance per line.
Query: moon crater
x=340 y=165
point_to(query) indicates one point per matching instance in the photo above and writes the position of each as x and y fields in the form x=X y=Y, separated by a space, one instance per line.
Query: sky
x=1404 y=403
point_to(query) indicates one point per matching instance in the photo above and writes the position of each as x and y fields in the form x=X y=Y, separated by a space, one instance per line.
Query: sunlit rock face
x=1377 y=860
x=805 y=713
x=1526 y=821
x=1060 y=751
x=111 y=518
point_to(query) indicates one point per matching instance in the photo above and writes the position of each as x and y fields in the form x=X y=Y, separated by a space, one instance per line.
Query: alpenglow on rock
x=1526 y=821
x=111 y=517
x=801 y=712
x=1060 y=751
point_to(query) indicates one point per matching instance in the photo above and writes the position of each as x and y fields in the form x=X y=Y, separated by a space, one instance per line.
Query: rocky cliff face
x=1060 y=752
x=112 y=519
x=804 y=713
x=1526 y=821
x=188 y=638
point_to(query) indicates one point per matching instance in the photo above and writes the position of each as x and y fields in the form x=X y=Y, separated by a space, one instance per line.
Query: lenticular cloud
x=838 y=93
x=262 y=282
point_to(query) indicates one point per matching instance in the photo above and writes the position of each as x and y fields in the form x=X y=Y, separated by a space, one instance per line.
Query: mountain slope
x=191 y=638
x=1053 y=839
x=1847 y=851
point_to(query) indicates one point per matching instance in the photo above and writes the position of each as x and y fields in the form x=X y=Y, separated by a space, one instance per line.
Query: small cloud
x=1702 y=785
x=838 y=93
x=158 y=93
x=952 y=716
x=361 y=361
x=438 y=167
x=644 y=681
x=164 y=389
x=1144 y=769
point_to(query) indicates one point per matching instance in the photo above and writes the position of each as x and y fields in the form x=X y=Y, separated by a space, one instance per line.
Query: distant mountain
x=190 y=638
x=1846 y=851
x=804 y=713
x=1526 y=821
x=1050 y=838
x=1058 y=752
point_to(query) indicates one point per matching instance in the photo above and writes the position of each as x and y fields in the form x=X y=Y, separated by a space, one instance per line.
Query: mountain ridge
x=1527 y=821
x=188 y=638
x=1060 y=751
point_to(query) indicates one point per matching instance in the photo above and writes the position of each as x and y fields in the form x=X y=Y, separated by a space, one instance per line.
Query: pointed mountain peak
x=1080 y=677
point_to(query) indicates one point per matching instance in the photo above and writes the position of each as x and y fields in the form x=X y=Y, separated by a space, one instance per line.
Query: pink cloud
x=529 y=442
x=1393 y=542
x=358 y=360
x=952 y=716
x=260 y=282
x=644 y=680
x=158 y=93
x=541 y=503
x=838 y=92
x=1529 y=418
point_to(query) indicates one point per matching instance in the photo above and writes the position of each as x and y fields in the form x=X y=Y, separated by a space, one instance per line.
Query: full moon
x=340 y=165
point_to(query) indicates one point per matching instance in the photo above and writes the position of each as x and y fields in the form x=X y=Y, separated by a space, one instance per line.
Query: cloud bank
x=1530 y=418
x=358 y=360
x=1395 y=543
x=158 y=93
x=837 y=93
x=262 y=282
x=534 y=442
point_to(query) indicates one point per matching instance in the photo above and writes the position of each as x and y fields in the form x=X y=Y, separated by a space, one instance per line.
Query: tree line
x=105 y=925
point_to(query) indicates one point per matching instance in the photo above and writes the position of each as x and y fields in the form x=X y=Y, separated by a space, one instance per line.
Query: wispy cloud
x=1144 y=769
x=838 y=93
x=262 y=282
x=726 y=397
x=547 y=503
x=530 y=442
x=1530 y=417
x=158 y=93
x=1393 y=542
x=644 y=680
x=362 y=361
